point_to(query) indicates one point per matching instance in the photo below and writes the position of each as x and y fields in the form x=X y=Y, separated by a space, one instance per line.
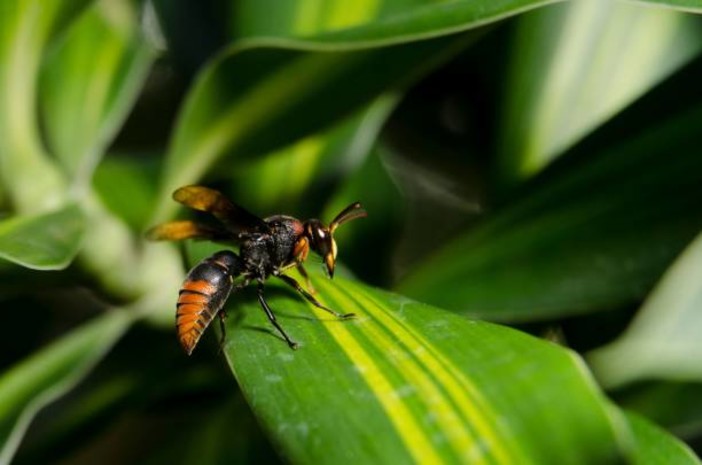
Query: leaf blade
x=566 y=242
x=90 y=83
x=371 y=24
x=570 y=56
x=48 y=374
x=48 y=241
x=661 y=341
x=411 y=388
x=242 y=114
x=653 y=445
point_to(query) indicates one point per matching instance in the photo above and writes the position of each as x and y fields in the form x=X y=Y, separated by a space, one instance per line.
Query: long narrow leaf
x=89 y=84
x=407 y=383
x=254 y=100
x=654 y=446
x=335 y=25
x=664 y=340
x=46 y=375
x=577 y=64
x=595 y=232
x=30 y=179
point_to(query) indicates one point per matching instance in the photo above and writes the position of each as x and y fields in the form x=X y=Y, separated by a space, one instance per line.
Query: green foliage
x=415 y=383
x=517 y=166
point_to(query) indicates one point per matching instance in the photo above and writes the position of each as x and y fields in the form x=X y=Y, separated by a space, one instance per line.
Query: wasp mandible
x=267 y=247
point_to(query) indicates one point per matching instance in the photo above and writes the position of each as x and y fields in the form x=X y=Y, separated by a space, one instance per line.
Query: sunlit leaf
x=577 y=64
x=655 y=446
x=44 y=242
x=90 y=83
x=314 y=165
x=663 y=340
x=338 y=24
x=406 y=383
x=254 y=100
x=47 y=374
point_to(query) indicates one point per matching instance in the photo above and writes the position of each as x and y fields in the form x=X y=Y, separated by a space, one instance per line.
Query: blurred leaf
x=30 y=179
x=368 y=245
x=127 y=185
x=131 y=382
x=412 y=384
x=368 y=23
x=663 y=340
x=254 y=100
x=691 y=6
x=655 y=446
x=676 y=406
x=43 y=242
x=575 y=65
x=594 y=232
x=313 y=166
x=90 y=83
x=48 y=374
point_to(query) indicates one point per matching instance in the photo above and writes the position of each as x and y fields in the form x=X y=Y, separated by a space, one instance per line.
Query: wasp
x=267 y=247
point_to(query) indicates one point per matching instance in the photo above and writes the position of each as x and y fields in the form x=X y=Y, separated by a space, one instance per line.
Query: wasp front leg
x=311 y=299
x=303 y=272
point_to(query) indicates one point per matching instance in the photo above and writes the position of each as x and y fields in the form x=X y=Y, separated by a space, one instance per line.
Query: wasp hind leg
x=311 y=299
x=222 y=329
x=271 y=317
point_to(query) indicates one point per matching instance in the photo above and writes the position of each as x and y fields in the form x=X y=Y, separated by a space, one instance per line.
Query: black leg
x=310 y=298
x=271 y=317
x=223 y=330
x=301 y=269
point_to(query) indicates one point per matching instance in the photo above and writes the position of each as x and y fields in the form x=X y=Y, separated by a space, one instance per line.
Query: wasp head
x=321 y=237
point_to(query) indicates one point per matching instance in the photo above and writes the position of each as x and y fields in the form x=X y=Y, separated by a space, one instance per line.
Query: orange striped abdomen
x=203 y=294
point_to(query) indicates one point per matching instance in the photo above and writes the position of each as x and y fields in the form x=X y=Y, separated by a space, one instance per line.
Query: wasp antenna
x=353 y=211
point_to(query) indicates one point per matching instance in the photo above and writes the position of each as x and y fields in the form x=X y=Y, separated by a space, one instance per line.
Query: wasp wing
x=235 y=218
x=186 y=229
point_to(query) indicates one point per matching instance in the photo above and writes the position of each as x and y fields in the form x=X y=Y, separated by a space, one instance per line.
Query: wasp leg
x=301 y=269
x=311 y=299
x=271 y=317
x=223 y=330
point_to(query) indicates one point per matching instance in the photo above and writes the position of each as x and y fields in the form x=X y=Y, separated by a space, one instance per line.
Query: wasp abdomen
x=203 y=294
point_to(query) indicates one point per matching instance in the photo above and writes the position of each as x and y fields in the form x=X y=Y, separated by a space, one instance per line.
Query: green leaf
x=595 y=232
x=369 y=23
x=577 y=64
x=46 y=375
x=655 y=446
x=408 y=383
x=127 y=185
x=29 y=177
x=663 y=339
x=367 y=245
x=90 y=83
x=690 y=6
x=43 y=242
x=253 y=100
x=674 y=405
x=311 y=167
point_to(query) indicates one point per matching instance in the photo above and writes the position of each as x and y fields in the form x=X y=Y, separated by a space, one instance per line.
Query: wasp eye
x=320 y=237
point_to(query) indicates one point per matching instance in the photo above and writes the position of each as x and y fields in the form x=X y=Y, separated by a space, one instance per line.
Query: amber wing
x=236 y=218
